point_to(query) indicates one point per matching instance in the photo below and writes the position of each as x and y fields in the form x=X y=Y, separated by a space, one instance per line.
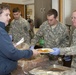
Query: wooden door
x=47 y=5
x=41 y=9
x=38 y=13
x=20 y=6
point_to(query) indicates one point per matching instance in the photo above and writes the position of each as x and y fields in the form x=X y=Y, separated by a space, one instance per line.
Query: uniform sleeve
x=7 y=49
x=25 y=30
x=38 y=35
x=10 y=29
x=27 y=25
x=68 y=50
x=65 y=37
x=73 y=38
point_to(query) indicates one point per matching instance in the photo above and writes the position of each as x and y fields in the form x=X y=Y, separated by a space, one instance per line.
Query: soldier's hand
x=31 y=47
x=56 y=51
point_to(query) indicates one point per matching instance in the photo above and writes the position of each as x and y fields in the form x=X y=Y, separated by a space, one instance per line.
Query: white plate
x=44 y=50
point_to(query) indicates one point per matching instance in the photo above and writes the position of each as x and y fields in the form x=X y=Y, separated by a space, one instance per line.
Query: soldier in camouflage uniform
x=53 y=32
x=19 y=27
x=72 y=49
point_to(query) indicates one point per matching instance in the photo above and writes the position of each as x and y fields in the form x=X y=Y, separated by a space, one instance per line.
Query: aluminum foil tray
x=51 y=70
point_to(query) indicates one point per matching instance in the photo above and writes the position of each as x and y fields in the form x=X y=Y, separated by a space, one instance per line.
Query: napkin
x=20 y=42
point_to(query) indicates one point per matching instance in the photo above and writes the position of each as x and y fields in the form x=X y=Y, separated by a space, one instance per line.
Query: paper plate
x=44 y=50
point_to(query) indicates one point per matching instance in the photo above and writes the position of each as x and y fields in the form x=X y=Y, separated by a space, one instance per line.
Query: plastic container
x=41 y=42
x=67 y=60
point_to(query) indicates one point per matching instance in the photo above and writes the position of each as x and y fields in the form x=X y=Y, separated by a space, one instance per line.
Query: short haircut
x=16 y=10
x=30 y=20
x=52 y=12
x=4 y=7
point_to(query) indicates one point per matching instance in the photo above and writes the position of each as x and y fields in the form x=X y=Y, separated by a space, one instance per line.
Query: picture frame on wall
x=29 y=12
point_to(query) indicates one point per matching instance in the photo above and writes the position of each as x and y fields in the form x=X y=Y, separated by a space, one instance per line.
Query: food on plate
x=44 y=50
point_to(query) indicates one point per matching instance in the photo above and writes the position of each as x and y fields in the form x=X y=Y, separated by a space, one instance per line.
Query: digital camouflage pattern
x=71 y=50
x=20 y=28
x=53 y=36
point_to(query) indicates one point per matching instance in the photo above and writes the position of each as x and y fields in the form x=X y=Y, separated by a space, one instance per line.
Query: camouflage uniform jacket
x=71 y=50
x=20 y=28
x=52 y=37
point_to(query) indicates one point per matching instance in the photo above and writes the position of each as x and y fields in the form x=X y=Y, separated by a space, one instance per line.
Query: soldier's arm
x=68 y=50
x=37 y=36
x=65 y=37
x=11 y=28
x=27 y=25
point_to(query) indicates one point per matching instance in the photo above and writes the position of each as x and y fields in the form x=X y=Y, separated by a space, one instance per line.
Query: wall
x=18 y=1
x=67 y=11
x=55 y=4
x=32 y=13
x=28 y=2
x=12 y=1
